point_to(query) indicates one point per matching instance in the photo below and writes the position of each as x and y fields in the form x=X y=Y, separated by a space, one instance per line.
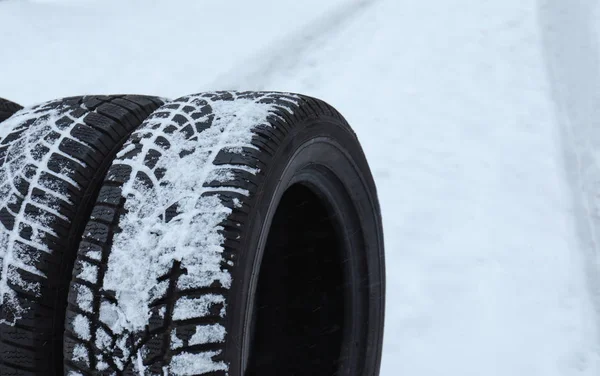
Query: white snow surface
x=479 y=119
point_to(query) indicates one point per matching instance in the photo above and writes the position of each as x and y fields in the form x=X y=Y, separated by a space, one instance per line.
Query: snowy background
x=481 y=121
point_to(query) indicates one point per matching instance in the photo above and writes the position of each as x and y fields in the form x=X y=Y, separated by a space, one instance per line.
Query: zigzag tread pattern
x=51 y=156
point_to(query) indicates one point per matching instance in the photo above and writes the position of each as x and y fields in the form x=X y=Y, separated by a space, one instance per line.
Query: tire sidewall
x=327 y=145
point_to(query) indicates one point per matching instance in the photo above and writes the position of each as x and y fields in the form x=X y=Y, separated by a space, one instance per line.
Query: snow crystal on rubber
x=151 y=239
x=25 y=150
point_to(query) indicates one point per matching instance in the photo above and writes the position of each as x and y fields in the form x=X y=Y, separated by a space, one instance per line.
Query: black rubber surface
x=51 y=167
x=7 y=108
x=304 y=249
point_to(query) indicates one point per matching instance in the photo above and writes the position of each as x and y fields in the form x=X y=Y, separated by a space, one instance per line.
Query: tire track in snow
x=573 y=63
x=258 y=72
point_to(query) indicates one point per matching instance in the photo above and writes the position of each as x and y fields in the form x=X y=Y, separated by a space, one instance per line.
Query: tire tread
x=74 y=158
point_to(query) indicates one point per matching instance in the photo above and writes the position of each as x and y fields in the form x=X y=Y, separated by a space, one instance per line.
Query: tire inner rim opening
x=299 y=307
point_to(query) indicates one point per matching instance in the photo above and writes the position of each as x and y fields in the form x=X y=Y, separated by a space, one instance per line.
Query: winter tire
x=7 y=109
x=53 y=159
x=236 y=233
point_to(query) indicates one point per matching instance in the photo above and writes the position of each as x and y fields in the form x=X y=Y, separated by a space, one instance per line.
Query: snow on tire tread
x=52 y=157
x=162 y=275
x=25 y=152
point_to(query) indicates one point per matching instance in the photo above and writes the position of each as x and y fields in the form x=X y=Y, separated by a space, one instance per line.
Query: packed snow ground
x=479 y=118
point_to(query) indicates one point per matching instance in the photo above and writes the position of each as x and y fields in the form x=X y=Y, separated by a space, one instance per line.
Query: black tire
x=236 y=234
x=53 y=159
x=7 y=109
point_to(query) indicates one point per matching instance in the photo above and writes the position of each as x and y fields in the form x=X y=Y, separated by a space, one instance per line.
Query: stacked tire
x=222 y=233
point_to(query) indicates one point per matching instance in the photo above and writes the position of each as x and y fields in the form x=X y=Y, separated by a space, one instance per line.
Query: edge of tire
x=7 y=109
